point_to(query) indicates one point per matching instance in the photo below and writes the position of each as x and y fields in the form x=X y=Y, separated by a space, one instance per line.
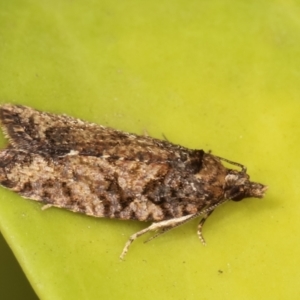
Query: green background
x=213 y=75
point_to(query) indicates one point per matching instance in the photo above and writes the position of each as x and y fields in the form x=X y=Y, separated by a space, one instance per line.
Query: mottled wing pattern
x=57 y=135
x=96 y=170
x=83 y=184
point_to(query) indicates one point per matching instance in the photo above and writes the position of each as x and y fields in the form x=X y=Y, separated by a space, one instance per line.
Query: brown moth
x=102 y=172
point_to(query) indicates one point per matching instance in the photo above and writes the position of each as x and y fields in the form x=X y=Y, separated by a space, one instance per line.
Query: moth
x=102 y=172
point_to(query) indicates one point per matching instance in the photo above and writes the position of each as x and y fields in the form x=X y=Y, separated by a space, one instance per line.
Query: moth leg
x=168 y=224
x=172 y=226
x=165 y=138
x=162 y=231
x=206 y=213
x=200 y=226
x=46 y=206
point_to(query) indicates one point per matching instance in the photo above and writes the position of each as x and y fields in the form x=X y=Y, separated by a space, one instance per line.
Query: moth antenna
x=244 y=169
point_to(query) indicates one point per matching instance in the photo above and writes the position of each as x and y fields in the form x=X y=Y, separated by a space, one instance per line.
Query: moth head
x=238 y=186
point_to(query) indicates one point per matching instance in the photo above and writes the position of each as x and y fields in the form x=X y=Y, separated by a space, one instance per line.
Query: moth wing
x=89 y=185
x=58 y=135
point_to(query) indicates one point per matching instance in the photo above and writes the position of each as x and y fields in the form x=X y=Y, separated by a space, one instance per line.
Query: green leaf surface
x=213 y=75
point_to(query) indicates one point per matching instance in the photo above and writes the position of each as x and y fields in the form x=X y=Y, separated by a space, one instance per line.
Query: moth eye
x=237 y=194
